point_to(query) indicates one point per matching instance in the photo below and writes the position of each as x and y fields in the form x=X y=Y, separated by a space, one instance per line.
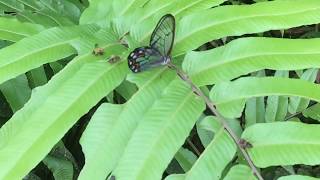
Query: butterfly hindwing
x=162 y=37
x=143 y=58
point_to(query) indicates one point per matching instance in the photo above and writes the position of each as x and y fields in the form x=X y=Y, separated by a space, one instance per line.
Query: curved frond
x=60 y=168
x=297 y=177
x=79 y=86
x=210 y=125
x=132 y=113
x=47 y=46
x=13 y=4
x=185 y=7
x=185 y=158
x=236 y=20
x=99 y=11
x=16 y=91
x=122 y=7
x=13 y=30
x=240 y=172
x=214 y=159
x=143 y=20
x=312 y=112
x=277 y=106
x=283 y=143
x=247 y=55
x=160 y=133
x=297 y=104
x=97 y=134
x=234 y=94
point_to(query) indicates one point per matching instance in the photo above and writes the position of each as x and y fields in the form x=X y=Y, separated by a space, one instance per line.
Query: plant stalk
x=222 y=120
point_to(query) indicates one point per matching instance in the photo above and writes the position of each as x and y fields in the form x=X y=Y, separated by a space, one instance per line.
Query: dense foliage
x=70 y=112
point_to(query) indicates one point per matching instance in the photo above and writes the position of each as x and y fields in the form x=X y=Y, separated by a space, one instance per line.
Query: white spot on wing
x=136 y=70
x=140 y=52
x=134 y=57
x=130 y=62
x=131 y=54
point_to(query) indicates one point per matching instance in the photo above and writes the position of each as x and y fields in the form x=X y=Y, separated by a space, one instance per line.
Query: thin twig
x=210 y=105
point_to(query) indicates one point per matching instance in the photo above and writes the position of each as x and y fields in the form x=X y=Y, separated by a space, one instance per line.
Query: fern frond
x=231 y=96
x=80 y=86
x=251 y=54
x=214 y=159
x=236 y=20
x=13 y=30
x=160 y=133
x=132 y=113
x=47 y=46
x=283 y=143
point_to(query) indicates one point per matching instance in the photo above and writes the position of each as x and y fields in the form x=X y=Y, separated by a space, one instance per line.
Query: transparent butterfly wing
x=161 y=42
x=162 y=37
x=143 y=58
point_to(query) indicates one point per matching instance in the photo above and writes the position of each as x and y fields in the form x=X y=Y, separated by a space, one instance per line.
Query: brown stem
x=210 y=105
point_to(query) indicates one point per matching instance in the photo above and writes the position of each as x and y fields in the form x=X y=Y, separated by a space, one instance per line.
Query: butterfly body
x=158 y=51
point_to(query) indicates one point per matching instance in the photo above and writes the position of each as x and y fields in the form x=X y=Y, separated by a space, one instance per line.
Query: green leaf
x=176 y=177
x=247 y=55
x=122 y=7
x=214 y=159
x=47 y=46
x=99 y=11
x=297 y=104
x=13 y=4
x=150 y=88
x=225 y=94
x=240 y=172
x=211 y=125
x=60 y=168
x=297 y=177
x=255 y=107
x=185 y=158
x=185 y=7
x=236 y=20
x=13 y=30
x=206 y=127
x=37 y=77
x=290 y=143
x=255 y=111
x=126 y=89
x=277 y=106
x=80 y=86
x=60 y=12
x=96 y=135
x=312 y=112
x=16 y=91
x=160 y=133
x=142 y=21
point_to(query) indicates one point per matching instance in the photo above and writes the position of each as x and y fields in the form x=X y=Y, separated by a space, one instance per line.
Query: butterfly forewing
x=163 y=35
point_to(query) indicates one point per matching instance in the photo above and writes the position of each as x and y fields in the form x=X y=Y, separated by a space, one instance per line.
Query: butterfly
x=159 y=49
